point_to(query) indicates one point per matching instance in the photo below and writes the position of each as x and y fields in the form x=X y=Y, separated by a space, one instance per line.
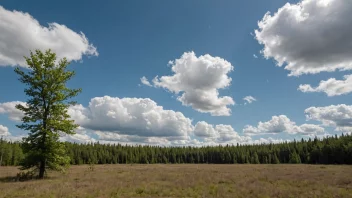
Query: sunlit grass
x=185 y=181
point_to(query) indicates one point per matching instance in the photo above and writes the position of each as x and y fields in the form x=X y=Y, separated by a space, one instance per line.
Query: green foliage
x=10 y=153
x=330 y=150
x=275 y=159
x=294 y=158
x=46 y=116
x=25 y=176
x=255 y=159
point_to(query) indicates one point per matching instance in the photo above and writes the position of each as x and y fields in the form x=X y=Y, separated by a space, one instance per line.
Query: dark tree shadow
x=8 y=179
x=14 y=179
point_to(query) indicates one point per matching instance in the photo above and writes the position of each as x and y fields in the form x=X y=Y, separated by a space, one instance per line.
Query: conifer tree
x=294 y=158
x=45 y=113
x=255 y=159
x=275 y=159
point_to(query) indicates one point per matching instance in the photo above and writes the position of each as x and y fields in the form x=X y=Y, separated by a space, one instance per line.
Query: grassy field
x=186 y=181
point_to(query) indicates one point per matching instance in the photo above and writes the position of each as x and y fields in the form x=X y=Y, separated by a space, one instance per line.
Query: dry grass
x=186 y=181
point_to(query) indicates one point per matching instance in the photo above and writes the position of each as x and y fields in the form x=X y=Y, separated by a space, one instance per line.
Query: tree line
x=329 y=150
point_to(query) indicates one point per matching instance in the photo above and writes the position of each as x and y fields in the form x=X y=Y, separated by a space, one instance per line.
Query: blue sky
x=132 y=39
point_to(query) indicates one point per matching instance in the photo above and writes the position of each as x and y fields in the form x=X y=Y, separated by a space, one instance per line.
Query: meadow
x=185 y=180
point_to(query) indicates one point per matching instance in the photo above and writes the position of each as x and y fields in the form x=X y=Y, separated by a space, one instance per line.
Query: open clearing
x=186 y=181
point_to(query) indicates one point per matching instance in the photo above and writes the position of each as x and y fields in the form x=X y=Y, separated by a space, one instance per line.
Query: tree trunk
x=2 y=151
x=42 y=169
x=42 y=162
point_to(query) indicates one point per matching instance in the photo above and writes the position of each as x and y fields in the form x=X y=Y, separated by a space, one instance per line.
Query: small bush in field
x=26 y=175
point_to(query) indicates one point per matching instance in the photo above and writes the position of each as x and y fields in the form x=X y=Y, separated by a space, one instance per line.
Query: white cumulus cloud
x=339 y=116
x=111 y=137
x=249 y=99
x=280 y=124
x=199 y=80
x=311 y=36
x=10 y=109
x=145 y=81
x=20 y=33
x=331 y=87
x=228 y=134
x=206 y=134
x=81 y=136
x=141 y=121
x=132 y=116
x=269 y=140
x=203 y=129
x=218 y=134
x=4 y=131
